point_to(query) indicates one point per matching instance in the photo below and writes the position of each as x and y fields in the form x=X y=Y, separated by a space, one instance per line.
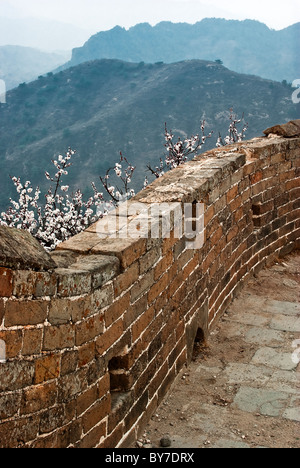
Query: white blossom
x=61 y=216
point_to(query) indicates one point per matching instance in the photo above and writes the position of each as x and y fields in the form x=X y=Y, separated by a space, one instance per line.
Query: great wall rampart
x=93 y=335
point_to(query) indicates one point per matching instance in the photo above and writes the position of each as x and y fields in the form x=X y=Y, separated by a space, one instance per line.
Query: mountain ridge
x=244 y=46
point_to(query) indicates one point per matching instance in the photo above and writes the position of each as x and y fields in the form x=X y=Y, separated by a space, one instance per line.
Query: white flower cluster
x=117 y=192
x=61 y=216
x=234 y=135
x=178 y=153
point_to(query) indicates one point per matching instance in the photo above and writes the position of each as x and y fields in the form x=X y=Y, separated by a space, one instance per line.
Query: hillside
x=24 y=64
x=244 y=46
x=103 y=107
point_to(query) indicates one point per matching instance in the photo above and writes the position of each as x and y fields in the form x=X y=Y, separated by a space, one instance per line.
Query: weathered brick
x=38 y=397
x=60 y=337
x=27 y=312
x=73 y=282
x=134 y=311
x=127 y=279
x=103 y=297
x=142 y=323
x=32 y=341
x=9 y=405
x=232 y=233
x=2 y=310
x=17 y=433
x=69 y=362
x=109 y=337
x=111 y=441
x=16 y=375
x=59 y=311
x=13 y=341
x=100 y=330
x=256 y=177
x=217 y=235
x=169 y=242
x=291 y=184
x=117 y=309
x=37 y=284
x=103 y=385
x=136 y=411
x=86 y=354
x=47 y=368
x=141 y=286
x=86 y=399
x=232 y=193
x=94 y=437
x=158 y=287
x=148 y=260
x=164 y=264
x=88 y=330
x=96 y=413
x=6 y=282
x=72 y=385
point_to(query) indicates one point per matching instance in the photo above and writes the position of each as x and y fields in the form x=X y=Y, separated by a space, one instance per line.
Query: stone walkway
x=242 y=389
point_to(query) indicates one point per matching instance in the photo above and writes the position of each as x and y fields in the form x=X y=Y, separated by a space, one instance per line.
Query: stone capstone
x=288 y=130
x=19 y=250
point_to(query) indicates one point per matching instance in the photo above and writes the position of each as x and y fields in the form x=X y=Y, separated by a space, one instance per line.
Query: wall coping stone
x=288 y=130
x=19 y=250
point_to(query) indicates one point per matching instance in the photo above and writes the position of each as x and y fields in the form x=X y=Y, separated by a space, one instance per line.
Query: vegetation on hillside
x=107 y=106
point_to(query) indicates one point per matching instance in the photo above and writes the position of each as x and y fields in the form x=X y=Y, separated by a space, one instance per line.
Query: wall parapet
x=95 y=334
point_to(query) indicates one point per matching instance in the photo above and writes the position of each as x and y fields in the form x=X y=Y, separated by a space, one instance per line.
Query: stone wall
x=92 y=337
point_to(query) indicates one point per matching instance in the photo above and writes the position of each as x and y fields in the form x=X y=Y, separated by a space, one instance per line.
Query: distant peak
x=141 y=26
x=118 y=28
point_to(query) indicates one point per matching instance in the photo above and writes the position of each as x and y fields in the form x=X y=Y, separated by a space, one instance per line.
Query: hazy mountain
x=41 y=34
x=103 y=107
x=19 y=64
x=243 y=46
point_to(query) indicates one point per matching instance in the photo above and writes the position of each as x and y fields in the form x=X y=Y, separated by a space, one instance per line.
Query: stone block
x=126 y=250
x=266 y=402
x=73 y=282
x=19 y=250
x=6 y=282
x=47 y=368
x=289 y=130
x=102 y=268
x=27 y=312
x=60 y=337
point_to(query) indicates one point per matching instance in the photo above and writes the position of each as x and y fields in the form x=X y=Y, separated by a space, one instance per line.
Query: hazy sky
x=96 y=15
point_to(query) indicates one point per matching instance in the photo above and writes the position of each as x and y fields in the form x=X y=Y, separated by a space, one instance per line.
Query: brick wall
x=93 y=343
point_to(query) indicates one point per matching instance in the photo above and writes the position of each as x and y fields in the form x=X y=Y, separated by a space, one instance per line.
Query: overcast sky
x=97 y=15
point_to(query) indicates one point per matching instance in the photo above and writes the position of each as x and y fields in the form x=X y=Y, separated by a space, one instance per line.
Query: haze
x=92 y=16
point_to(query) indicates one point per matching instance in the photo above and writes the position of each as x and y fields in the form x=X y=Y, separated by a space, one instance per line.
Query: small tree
x=234 y=134
x=180 y=152
x=61 y=216
x=121 y=179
